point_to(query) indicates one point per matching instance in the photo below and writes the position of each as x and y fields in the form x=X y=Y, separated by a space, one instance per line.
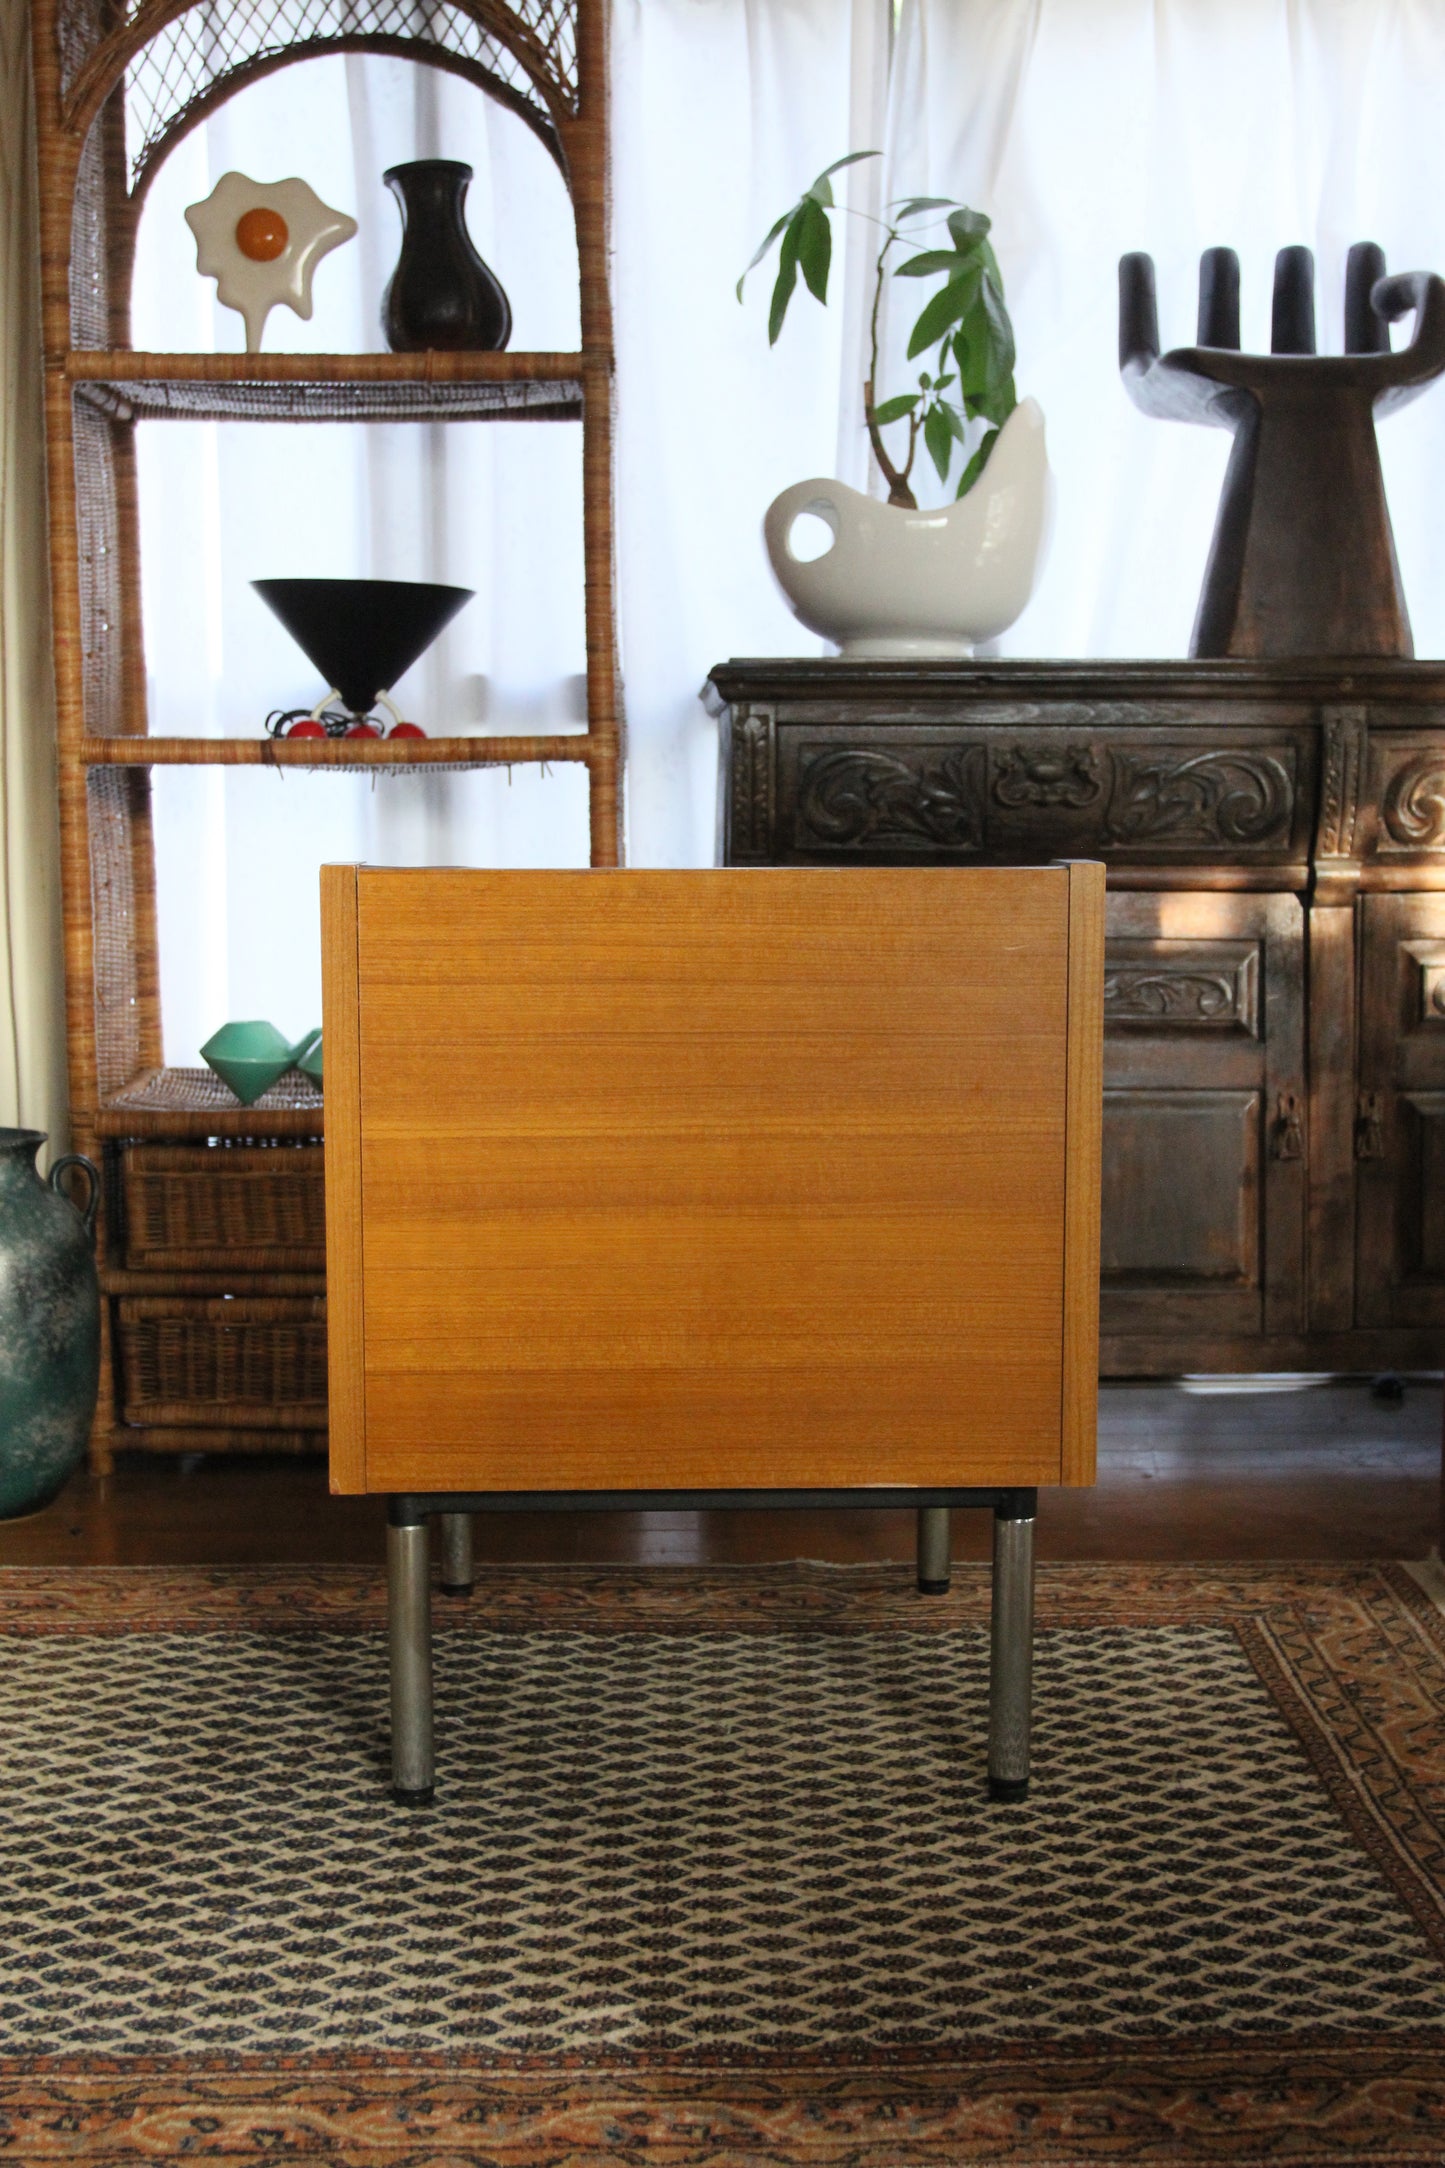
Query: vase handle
x=57 y=1169
x=782 y=515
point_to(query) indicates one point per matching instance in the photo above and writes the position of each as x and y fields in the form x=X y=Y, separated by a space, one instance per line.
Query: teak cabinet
x=1274 y=988
x=212 y=1230
x=655 y=1182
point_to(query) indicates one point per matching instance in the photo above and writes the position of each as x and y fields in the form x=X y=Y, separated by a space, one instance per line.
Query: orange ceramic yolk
x=261 y=234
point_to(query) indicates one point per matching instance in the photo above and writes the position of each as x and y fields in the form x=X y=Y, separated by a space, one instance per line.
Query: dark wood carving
x=752 y=782
x=1206 y=798
x=1182 y=986
x=1138 y=994
x=1414 y=808
x=1038 y=775
x=1345 y=734
x=1303 y=559
x=1101 y=797
x=884 y=798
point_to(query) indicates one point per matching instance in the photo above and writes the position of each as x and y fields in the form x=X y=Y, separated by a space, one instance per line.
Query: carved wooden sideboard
x=1274 y=1130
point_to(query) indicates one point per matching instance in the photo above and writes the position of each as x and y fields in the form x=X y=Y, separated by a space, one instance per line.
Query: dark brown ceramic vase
x=441 y=295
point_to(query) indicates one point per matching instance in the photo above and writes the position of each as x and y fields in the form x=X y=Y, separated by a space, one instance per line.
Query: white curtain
x=1086 y=128
x=32 y=1033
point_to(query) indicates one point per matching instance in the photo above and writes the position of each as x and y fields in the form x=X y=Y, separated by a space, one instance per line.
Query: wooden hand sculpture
x=1303 y=559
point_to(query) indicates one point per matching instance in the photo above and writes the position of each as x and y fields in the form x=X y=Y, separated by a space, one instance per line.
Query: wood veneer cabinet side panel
x=1082 y=1172
x=725 y=1178
x=345 y=1330
x=674 y=1454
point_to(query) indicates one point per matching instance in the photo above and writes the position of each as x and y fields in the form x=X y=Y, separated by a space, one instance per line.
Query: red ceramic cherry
x=309 y=728
x=406 y=730
x=363 y=730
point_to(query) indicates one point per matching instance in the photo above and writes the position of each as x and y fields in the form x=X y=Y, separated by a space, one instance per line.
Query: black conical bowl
x=362 y=635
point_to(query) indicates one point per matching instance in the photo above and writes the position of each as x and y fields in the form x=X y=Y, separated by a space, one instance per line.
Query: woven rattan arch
x=172 y=62
x=181 y=58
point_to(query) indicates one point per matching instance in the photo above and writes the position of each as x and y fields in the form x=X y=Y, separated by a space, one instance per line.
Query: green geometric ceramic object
x=308 y=1056
x=248 y=1057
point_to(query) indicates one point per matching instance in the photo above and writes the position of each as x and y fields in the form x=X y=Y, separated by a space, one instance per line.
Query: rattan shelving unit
x=211 y=1245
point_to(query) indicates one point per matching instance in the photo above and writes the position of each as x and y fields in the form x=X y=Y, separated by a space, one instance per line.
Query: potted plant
x=899 y=581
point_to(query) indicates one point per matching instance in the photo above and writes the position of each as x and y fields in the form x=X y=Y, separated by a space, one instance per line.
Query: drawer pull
x=1289 y=1140
x=1370 y=1126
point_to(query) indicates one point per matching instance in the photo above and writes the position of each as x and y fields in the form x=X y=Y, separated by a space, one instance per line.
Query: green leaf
x=997 y=403
x=766 y=245
x=787 y=276
x=956 y=425
x=978 y=462
x=943 y=311
x=935 y=259
x=893 y=410
x=820 y=193
x=815 y=246
x=822 y=189
x=939 y=439
x=914 y=206
x=968 y=227
x=962 y=351
x=1002 y=353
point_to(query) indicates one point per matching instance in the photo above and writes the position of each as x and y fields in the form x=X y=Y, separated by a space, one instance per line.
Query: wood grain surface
x=711 y=1178
x=345 y=1341
x=1082 y=1171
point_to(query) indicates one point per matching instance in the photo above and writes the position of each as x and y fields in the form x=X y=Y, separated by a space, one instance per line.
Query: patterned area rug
x=712 y=1876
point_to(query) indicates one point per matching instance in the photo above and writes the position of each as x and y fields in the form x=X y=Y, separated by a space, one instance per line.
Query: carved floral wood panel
x=1181 y=985
x=1066 y=794
x=1412 y=812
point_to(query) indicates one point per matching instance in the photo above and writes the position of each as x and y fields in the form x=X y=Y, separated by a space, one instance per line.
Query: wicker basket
x=224 y=1207
x=223 y=1362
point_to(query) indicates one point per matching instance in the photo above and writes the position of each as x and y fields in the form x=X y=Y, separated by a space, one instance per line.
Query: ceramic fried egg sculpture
x=261 y=242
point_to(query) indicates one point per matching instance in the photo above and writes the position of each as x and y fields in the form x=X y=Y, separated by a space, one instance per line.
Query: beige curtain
x=32 y=1032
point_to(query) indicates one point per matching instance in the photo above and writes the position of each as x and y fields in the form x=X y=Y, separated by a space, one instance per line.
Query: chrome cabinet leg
x=1011 y=1651
x=456 y=1554
x=935 y=1557
x=408 y=1617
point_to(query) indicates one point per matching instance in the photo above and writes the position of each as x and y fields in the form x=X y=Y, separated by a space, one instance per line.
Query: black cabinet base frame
x=409 y=1595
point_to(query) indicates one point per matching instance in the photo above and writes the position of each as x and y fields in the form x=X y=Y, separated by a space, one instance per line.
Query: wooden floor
x=1325 y=1472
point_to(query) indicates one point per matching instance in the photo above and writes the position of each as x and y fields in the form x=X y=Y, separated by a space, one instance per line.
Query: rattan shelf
x=194 y=1103
x=333 y=387
x=117 y=87
x=331 y=755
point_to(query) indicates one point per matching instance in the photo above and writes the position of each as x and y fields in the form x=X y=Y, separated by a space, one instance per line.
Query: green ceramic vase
x=49 y=1324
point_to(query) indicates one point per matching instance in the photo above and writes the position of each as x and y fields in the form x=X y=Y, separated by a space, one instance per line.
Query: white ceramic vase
x=925 y=585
